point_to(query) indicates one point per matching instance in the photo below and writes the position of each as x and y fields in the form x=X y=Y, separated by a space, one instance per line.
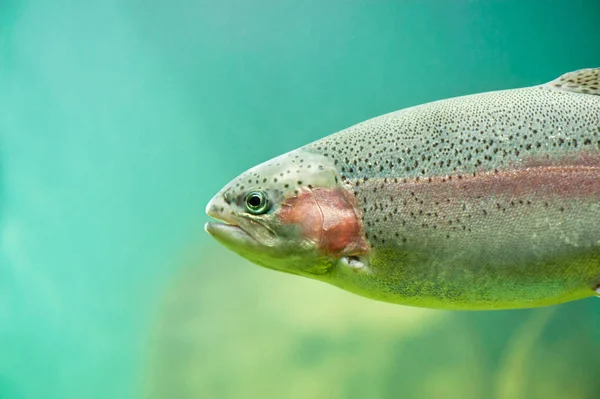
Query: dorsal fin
x=586 y=81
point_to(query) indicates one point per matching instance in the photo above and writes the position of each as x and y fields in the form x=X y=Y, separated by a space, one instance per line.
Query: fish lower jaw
x=229 y=234
x=222 y=226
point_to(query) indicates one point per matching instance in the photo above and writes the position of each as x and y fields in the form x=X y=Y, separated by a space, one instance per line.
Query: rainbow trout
x=486 y=201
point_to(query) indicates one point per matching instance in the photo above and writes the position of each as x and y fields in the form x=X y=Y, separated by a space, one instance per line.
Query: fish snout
x=216 y=207
x=220 y=209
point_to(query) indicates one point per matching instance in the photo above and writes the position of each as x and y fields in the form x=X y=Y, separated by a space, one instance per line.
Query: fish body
x=486 y=201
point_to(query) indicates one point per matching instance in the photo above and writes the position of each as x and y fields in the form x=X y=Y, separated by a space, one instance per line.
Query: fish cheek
x=303 y=211
x=328 y=218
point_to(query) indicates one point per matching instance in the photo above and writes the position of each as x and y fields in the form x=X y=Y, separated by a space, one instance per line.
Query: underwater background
x=120 y=119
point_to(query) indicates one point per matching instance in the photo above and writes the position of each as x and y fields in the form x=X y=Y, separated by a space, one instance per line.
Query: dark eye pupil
x=254 y=201
x=257 y=203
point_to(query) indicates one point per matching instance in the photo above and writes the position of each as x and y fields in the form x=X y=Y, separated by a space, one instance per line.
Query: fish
x=481 y=202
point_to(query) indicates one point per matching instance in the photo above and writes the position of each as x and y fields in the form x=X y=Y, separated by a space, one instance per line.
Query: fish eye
x=257 y=202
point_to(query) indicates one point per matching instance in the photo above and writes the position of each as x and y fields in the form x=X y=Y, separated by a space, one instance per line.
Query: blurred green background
x=120 y=119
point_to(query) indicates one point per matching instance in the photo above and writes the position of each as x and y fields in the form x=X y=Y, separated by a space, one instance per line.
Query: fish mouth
x=231 y=235
x=226 y=230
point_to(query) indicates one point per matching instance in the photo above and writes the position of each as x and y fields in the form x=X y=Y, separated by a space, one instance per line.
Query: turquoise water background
x=120 y=119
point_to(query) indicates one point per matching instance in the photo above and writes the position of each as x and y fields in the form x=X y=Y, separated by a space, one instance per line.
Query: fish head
x=292 y=214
